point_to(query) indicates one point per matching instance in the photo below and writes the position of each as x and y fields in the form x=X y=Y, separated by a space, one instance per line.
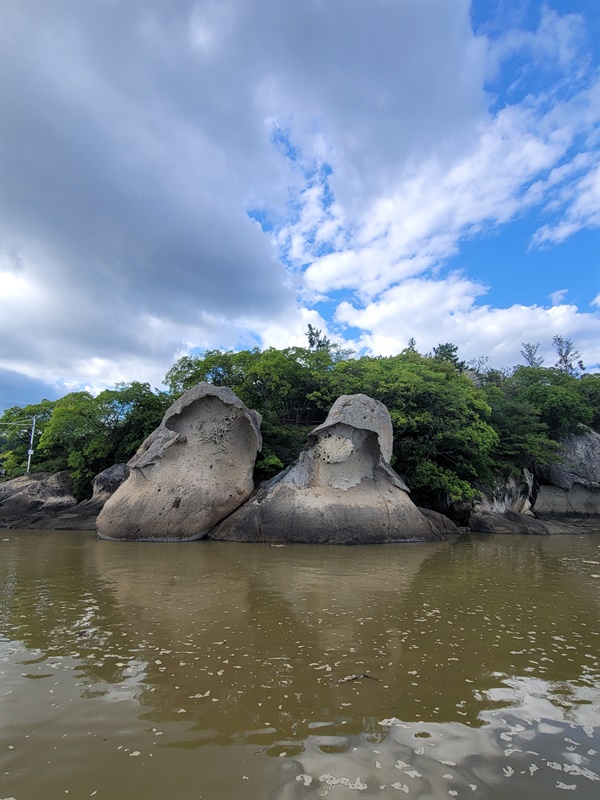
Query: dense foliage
x=454 y=428
x=82 y=433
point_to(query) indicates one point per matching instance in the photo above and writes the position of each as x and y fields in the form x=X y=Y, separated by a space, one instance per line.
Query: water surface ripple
x=224 y=671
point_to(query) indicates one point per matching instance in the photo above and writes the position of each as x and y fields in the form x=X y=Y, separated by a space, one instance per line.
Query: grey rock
x=190 y=473
x=107 y=482
x=341 y=490
x=440 y=522
x=474 y=378
x=508 y=494
x=32 y=501
x=571 y=487
x=44 y=501
x=577 y=501
x=363 y=413
x=507 y=522
x=579 y=462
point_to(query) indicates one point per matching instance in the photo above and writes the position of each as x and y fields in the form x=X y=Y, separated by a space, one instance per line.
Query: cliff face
x=579 y=462
x=561 y=497
x=572 y=487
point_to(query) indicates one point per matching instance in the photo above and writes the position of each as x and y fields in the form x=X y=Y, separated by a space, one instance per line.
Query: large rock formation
x=340 y=491
x=553 y=501
x=567 y=501
x=579 y=462
x=190 y=473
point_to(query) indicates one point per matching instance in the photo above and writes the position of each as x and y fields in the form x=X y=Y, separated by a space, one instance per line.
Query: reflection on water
x=215 y=670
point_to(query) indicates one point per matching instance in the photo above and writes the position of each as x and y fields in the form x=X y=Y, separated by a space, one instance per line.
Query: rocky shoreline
x=192 y=479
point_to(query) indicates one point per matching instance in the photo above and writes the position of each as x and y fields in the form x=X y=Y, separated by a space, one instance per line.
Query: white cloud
x=582 y=201
x=436 y=311
x=140 y=136
x=556 y=44
x=419 y=223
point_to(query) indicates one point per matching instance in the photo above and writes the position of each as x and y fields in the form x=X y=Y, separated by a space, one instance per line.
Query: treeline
x=455 y=425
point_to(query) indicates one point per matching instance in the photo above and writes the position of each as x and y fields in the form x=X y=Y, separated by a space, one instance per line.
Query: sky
x=182 y=176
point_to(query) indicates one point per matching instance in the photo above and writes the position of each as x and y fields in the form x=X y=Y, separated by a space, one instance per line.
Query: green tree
x=566 y=355
x=555 y=396
x=589 y=389
x=449 y=352
x=523 y=439
x=316 y=341
x=530 y=354
x=87 y=434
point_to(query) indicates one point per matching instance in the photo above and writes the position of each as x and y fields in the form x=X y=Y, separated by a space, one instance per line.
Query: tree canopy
x=453 y=429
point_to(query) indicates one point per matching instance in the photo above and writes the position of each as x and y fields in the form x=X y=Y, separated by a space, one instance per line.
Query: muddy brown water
x=215 y=671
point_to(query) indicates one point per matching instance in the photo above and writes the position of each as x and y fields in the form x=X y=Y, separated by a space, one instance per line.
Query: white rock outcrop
x=341 y=490
x=190 y=473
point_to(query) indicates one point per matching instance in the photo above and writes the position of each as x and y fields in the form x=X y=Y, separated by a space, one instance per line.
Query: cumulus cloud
x=185 y=176
x=558 y=296
x=136 y=137
x=420 y=222
x=434 y=311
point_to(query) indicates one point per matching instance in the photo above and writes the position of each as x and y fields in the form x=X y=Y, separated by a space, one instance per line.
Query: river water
x=217 y=671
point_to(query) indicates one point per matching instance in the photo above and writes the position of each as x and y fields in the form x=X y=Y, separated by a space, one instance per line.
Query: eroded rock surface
x=579 y=462
x=508 y=494
x=32 y=501
x=190 y=473
x=107 y=482
x=577 y=501
x=45 y=501
x=340 y=491
x=572 y=486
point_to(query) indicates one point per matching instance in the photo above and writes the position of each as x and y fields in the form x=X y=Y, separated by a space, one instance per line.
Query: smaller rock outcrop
x=107 y=482
x=45 y=501
x=190 y=473
x=579 y=462
x=577 y=501
x=571 y=487
x=510 y=522
x=506 y=522
x=341 y=490
x=509 y=493
x=33 y=500
x=440 y=522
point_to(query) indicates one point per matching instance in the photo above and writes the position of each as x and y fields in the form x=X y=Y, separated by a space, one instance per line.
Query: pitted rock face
x=190 y=473
x=341 y=490
x=343 y=456
x=361 y=412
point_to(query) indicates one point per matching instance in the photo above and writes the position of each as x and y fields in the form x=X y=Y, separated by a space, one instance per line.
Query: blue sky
x=192 y=175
